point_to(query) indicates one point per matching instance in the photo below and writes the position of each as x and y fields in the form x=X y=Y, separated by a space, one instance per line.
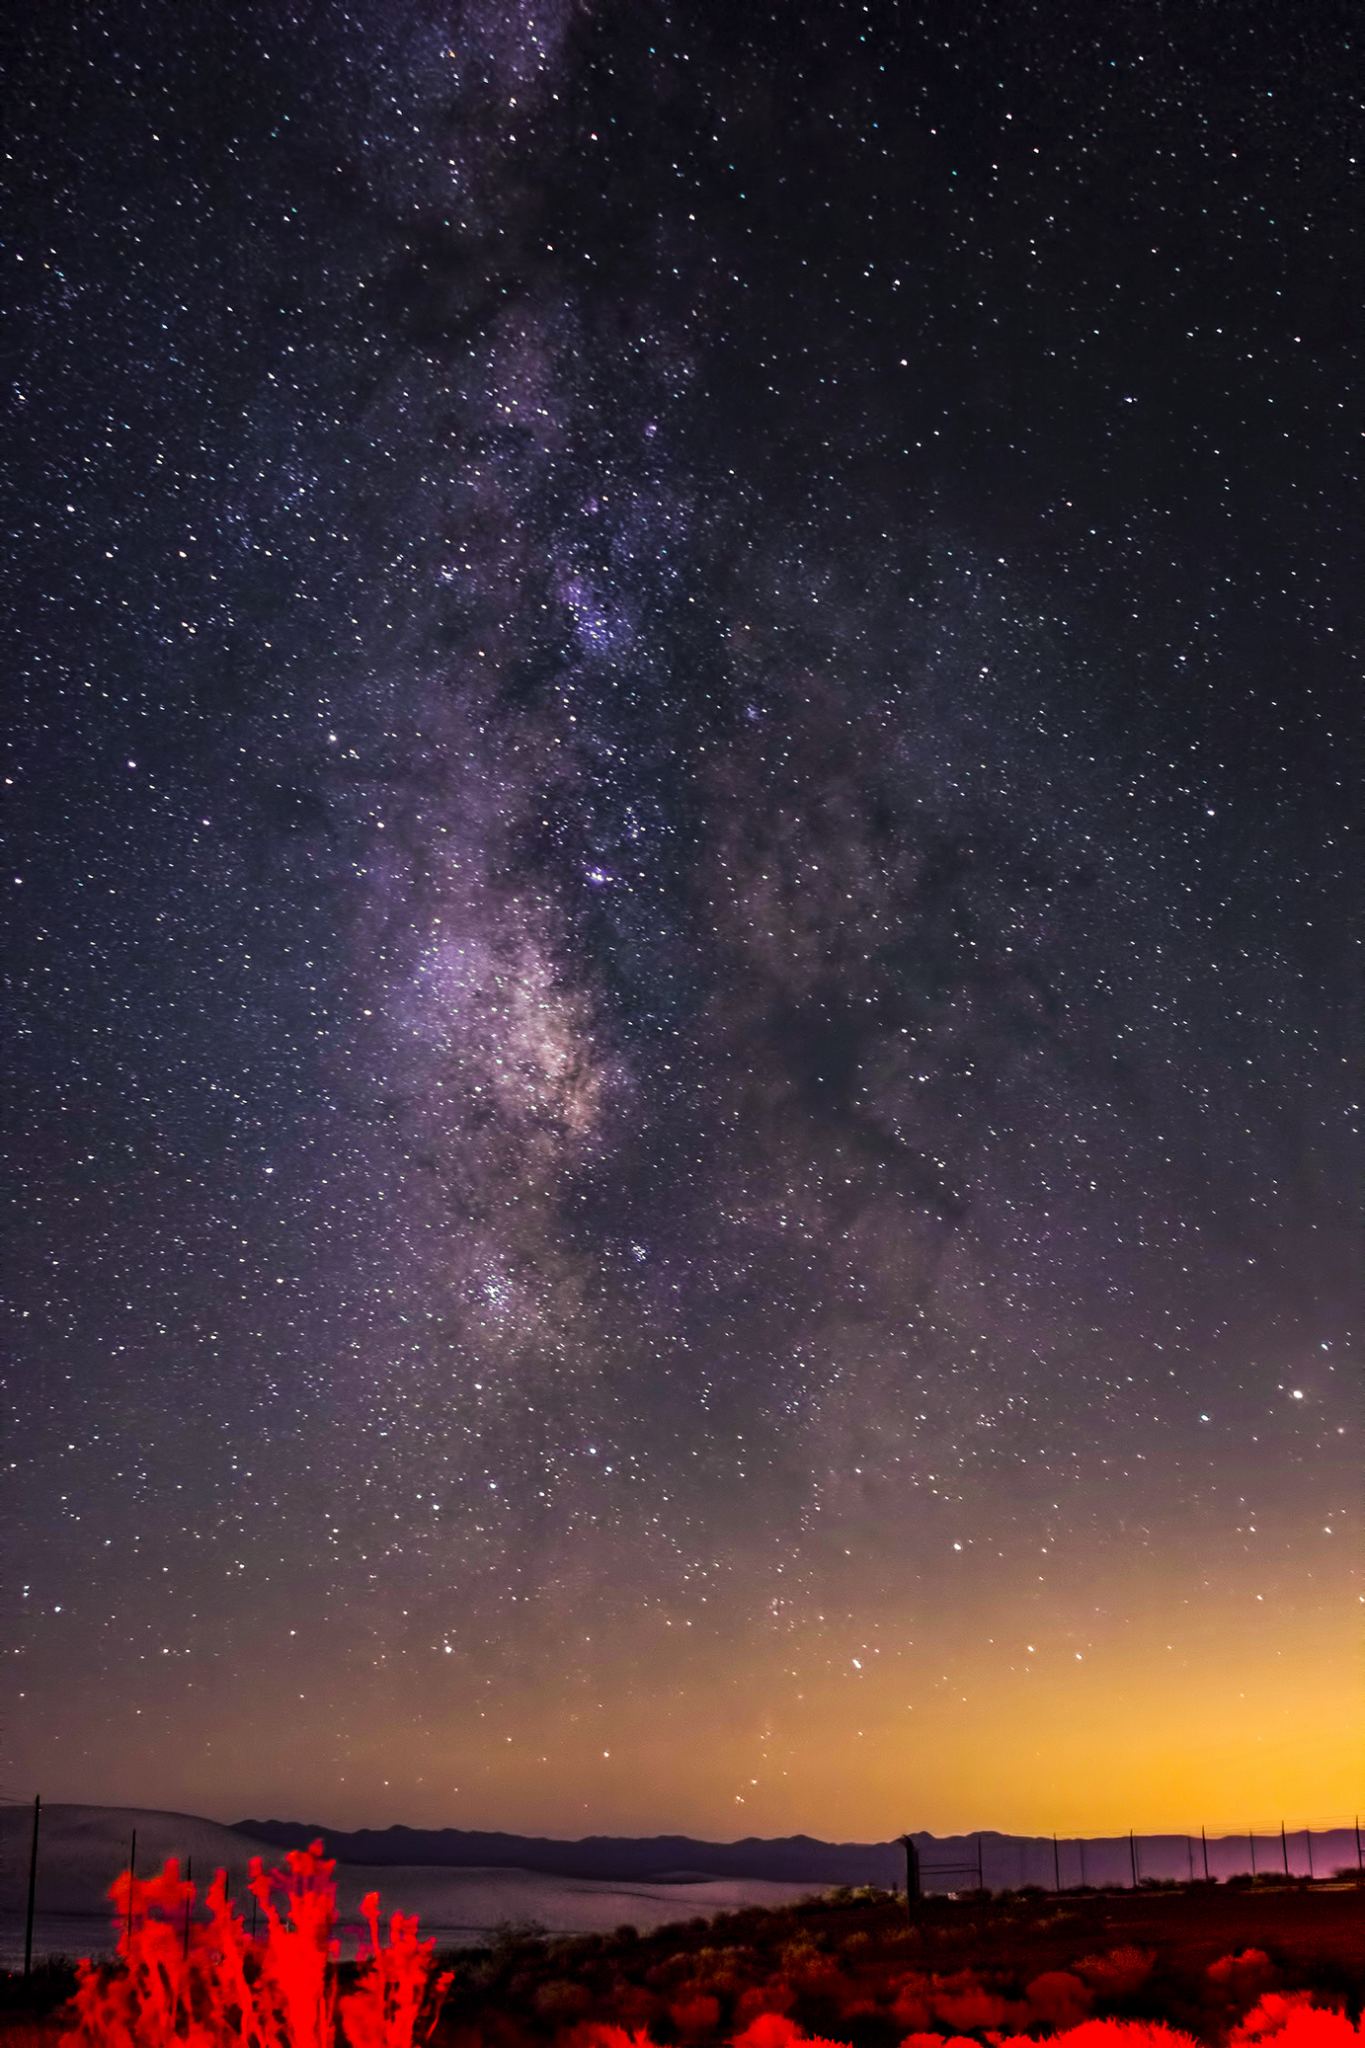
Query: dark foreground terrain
x=856 y=1968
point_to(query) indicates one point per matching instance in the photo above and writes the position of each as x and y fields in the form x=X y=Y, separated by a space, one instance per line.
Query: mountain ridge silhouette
x=948 y=1861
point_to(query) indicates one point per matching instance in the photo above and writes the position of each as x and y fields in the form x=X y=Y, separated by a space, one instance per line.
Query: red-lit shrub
x=1291 y=2020
x=383 y=2009
x=820 y=1977
x=962 y=2007
x=1118 y=1974
x=1243 y=1977
x=773 y=2031
x=635 y=2008
x=561 y=2001
x=1106 y=2034
x=593 y=2034
x=182 y=1983
x=910 y=2006
x=774 y=1997
x=939 y=2041
x=1057 y=1998
x=695 y=2016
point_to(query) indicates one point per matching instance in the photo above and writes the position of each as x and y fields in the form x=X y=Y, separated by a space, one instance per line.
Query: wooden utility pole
x=1251 y=1839
x=980 y=1879
x=1360 y=1861
x=914 y=1890
x=1284 y=1848
x=1308 y=1844
x=1133 y=1856
x=1204 y=1845
x=32 y=1887
x=1056 y=1866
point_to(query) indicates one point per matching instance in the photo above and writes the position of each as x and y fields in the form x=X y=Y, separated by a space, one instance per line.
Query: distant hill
x=82 y=1848
x=793 y=1858
x=949 y=1862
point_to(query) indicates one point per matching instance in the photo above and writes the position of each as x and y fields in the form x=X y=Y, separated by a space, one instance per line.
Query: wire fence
x=1327 y=1848
x=38 y=1920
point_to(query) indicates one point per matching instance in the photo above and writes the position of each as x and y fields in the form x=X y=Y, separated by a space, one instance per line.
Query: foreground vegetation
x=857 y=1970
x=1260 y=1966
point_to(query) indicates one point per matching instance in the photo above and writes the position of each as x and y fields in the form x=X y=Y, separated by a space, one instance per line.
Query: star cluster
x=680 y=888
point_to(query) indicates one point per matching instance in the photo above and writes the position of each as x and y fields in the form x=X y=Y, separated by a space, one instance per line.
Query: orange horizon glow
x=1155 y=1725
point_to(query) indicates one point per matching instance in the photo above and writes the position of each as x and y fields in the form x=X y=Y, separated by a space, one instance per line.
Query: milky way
x=679 y=822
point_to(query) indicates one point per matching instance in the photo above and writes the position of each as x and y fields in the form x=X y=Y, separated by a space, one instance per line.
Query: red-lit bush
x=910 y=2008
x=186 y=1983
x=1292 y=2020
x=695 y=2017
x=1117 y=1974
x=773 y=2031
x=1108 y=2034
x=561 y=2001
x=962 y=2006
x=774 y=1997
x=1058 y=1998
x=592 y=2034
x=635 y=2007
x=1243 y=1977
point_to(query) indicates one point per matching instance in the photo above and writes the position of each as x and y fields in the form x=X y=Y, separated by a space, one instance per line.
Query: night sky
x=679 y=814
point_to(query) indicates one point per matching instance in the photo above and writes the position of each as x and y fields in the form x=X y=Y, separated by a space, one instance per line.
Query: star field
x=682 y=900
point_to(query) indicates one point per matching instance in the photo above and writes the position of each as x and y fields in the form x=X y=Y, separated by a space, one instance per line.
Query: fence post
x=32 y=1887
x=913 y=1887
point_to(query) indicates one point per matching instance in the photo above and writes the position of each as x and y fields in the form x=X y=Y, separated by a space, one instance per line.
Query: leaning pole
x=914 y=1890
